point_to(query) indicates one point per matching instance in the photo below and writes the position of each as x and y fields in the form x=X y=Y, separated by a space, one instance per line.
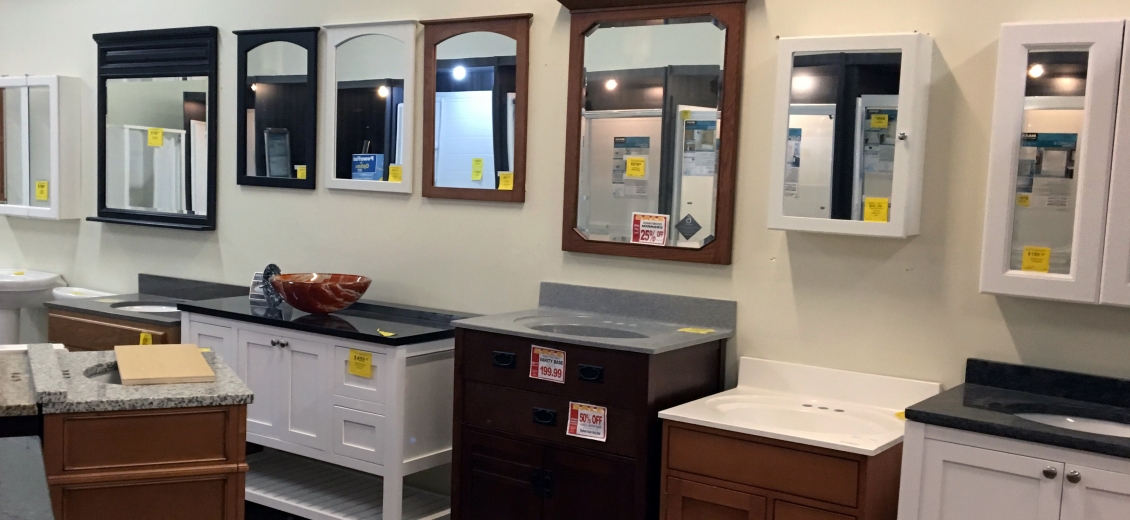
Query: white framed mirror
x=849 y=135
x=39 y=152
x=370 y=87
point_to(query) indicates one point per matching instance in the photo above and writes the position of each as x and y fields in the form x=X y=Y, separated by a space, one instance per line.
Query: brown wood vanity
x=79 y=331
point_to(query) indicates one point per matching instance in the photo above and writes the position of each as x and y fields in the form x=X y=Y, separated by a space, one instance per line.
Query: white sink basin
x=21 y=288
x=1079 y=424
x=804 y=416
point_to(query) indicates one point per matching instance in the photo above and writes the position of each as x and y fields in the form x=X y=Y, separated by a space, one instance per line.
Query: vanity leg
x=394 y=497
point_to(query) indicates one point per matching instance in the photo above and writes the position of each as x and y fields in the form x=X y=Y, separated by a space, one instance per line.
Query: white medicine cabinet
x=849 y=134
x=1058 y=200
x=39 y=146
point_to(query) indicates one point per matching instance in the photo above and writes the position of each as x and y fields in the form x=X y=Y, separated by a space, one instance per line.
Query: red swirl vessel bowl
x=320 y=293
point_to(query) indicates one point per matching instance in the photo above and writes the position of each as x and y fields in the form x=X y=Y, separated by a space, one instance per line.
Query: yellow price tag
x=684 y=114
x=636 y=167
x=506 y=181
x=157 y=137
x=1023 y=200
x=18 y=273
x=300 y=171
x=395 y=173
x=385 y=333
x=876 y=209
x=900 y=415
x=146 y=339
x=696 y=330
x=477 y=169
x=361 y=363
x=880 y=120
x=1036 y=259
x=204 y=349
x=42 y=189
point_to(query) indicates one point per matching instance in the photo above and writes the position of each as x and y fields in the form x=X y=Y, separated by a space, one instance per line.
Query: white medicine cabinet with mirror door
x=849 y=134
x=369 y=106
x=1047 y=217
x=40 y=154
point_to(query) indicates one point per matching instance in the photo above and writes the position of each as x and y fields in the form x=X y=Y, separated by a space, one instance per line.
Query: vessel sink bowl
x=320 y=293
x=147 y=307
x=589 y=331
x=1079 y=424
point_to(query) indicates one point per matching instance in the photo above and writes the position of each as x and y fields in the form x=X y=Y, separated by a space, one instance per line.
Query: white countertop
x=828 y=408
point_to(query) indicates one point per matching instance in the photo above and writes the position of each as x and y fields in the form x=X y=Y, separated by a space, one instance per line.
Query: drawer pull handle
x=542 y=482
x=545 y=416
x=591 y=373
x=505 y=359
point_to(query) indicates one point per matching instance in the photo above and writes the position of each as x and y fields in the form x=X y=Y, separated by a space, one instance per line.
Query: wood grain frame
x=731 y=15
x=515 y=26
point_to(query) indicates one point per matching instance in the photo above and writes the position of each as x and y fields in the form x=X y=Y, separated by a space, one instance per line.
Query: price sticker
x=203 y=349
x=547 y=364
x=477 y=169
x=880 y=120
x=696 y=330
x=876 y=209
x=300 y=171
x=1024 y=200
x=1036 y=259
x=395 y=173
x=361 y=363
x=506 y=181
x=588 y=422
x=649 y=228
x=635 y=167
x=146 y=339
x=156 y=137
x=42 y=189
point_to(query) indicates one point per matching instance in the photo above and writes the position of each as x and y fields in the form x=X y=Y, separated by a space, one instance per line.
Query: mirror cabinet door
x=651 y=152
x=277 y=132
x=373 y=106
x=14 y=168
x=475 y=128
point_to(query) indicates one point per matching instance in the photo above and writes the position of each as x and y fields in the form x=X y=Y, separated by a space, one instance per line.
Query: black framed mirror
x=276 y=132
x=157 y=127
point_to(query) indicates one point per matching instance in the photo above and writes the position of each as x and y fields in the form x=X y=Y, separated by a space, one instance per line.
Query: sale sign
x=588 y=422
x=649 y=228
x=547 y=364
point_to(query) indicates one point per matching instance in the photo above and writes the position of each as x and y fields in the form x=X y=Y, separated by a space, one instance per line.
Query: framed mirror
x=370 y=105
x=476 y=75
x=276 y=132
x=849 y=134
x=40 y=146
x=157 y=128
x=651 y=146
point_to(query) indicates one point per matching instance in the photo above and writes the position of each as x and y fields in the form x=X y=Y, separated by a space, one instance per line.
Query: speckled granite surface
x=17 y=395
x=88 y=395
x=48 y=377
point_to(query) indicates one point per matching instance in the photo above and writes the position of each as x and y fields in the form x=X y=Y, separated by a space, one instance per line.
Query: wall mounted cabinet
x=1059 y=192
x=40 y=152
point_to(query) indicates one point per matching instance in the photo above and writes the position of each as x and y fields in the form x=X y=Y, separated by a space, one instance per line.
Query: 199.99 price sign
x=547 y=364
x=588 y=422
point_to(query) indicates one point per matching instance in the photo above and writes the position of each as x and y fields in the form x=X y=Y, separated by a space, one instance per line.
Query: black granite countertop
x=110 y=307
x=994 y=392
x=23 y=480
x=362 y=321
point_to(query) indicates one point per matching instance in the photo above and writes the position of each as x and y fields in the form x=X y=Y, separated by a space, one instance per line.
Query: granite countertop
x=994 y=392
x=17 y=393
x=23 y=480
x=646 y=323
x=362 y=321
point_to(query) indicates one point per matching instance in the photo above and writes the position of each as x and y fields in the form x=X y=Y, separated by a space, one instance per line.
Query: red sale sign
x=649 y=228
x=547 y=364
x=588 y=422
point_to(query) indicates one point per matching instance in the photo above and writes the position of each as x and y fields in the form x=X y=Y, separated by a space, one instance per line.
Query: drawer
x=369 y=389
x=800 y=473
x=787 y=511
x=512 y=411
x=594 y=375
x=86 y=332
x=204 y=497
x=359 y=435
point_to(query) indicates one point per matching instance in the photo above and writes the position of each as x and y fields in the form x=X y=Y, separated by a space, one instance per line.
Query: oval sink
x=146 y=307
x=590 y=331
x=1079 y=424
x=109 y=377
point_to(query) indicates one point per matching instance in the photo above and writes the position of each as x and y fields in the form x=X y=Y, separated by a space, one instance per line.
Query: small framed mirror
x=370 y=105
x=276 y=132
x=651 y=147
x=475 y=86
x=849 y=137
x=157 y=128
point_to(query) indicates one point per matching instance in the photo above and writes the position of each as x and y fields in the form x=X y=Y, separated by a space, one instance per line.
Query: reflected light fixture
x=382 y=91
x=1036 y=71
x=610 y=84
x=803 y=83
x=254 y=87
x=459 y=73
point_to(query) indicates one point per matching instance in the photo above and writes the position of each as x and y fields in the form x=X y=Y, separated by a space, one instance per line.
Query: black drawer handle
x=505 y=359
x=591 y=373
x=545 y=416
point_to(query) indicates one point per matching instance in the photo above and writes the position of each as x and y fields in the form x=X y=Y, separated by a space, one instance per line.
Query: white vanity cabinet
x=1058 y=193
x=956 y=475
x=40 y=146
x=307 y=403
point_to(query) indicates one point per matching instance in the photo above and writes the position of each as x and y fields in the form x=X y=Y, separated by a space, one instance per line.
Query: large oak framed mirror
x=476 y=73
x=651 y=147
x=157 y=115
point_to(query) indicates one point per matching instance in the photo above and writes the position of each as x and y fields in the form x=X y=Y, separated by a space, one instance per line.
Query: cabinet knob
x=284 y=343
x=274 y=342
x=902 y=136
x=1074 y=477
x=1050 y=472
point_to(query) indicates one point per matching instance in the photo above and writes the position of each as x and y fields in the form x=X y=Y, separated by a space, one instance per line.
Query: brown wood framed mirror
x=476 y=81
x=652 y=131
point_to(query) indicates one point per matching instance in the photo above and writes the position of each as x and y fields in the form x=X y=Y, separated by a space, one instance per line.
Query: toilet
x=20 y=288
x=77 y=293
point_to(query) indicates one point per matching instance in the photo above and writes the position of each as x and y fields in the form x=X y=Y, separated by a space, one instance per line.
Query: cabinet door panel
x=221 y=340
x=306 y=389
x=262 y=364
x=1099 y=495
x=496 y=478
x=370 y=389
x=688 y=500
x=589 y=487
x=964 y=483
x=359 y=435
x=1116 y=253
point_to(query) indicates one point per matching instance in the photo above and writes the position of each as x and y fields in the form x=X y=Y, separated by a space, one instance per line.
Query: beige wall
x=907 y=308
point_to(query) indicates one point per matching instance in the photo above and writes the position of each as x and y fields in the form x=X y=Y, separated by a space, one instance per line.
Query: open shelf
x=322 y=491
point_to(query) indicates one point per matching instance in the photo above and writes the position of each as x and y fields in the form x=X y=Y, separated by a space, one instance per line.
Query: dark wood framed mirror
x=476 y=81
x=652 y=130
x=276 y=122
x=157 y=127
